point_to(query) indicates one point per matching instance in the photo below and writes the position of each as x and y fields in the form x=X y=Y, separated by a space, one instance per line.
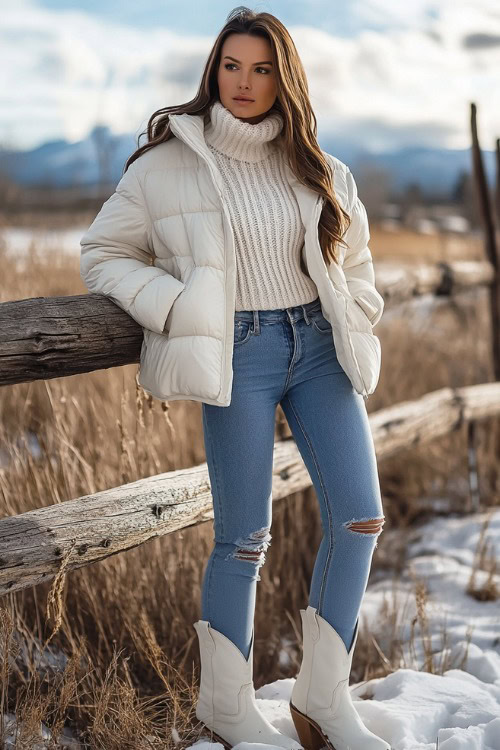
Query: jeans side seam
x=331 y=537
x=214 y=464
x=211 y=563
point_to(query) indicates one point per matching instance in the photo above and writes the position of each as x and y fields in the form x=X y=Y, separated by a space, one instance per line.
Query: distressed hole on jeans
x=254 y=547
x=372 y=526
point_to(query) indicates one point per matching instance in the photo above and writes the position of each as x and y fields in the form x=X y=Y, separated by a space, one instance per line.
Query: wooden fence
x=35 y=545
x=52 y=337
x=43 y=338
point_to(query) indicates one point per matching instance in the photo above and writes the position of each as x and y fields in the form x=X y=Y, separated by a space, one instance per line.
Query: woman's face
x=246 y=69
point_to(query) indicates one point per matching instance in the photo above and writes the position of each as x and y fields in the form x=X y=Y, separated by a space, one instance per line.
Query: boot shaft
x=225 y=674
x=325 y=667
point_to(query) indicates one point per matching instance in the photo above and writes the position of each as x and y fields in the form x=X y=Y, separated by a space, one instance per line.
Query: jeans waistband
x=279 y=314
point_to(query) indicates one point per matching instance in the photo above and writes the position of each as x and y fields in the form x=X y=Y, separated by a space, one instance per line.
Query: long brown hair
x=298 y=137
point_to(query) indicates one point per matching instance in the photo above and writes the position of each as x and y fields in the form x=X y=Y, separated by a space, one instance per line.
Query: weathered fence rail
x=34 y=545
x=44 y=338
x=53 y=337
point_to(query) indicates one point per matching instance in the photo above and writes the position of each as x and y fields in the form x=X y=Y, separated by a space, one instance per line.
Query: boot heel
x=309 y=736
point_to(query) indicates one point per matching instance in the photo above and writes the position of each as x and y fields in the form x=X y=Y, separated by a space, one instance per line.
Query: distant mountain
x=62 y=164
x=434 y=170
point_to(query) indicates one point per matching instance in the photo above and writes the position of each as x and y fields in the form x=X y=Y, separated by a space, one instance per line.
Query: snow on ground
x=410 y=708
x=17 y=240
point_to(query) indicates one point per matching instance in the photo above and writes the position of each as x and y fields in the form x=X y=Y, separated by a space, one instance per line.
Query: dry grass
x=407 y=246
x=122 y=669
x=485 y=560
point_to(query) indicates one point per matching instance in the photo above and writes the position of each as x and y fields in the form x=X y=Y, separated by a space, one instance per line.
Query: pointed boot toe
x=226 y=704
x=321 y=705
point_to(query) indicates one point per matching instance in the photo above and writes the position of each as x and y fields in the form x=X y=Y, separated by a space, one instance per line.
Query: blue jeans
x=287 y=356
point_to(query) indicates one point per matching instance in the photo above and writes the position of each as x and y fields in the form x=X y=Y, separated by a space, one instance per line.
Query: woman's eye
x=266 y=70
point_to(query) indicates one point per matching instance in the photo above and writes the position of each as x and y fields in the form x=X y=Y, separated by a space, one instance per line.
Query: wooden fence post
x=491 y=246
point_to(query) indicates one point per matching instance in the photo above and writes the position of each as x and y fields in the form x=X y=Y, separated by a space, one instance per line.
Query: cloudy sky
x=386 y=72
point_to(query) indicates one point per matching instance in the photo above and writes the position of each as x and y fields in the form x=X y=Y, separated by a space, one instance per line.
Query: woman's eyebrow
x=262 y=62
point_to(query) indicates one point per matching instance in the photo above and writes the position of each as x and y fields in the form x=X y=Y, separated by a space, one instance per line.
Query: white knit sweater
x=268 y=231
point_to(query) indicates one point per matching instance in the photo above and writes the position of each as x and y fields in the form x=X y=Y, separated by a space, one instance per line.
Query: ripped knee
x=254 y=547
x=372 y=526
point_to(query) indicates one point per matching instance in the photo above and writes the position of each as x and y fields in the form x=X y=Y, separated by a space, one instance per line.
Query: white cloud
x=416 y=73
x=409 y=81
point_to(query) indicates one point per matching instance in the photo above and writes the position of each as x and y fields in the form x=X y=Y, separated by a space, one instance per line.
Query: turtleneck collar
x=238 y=139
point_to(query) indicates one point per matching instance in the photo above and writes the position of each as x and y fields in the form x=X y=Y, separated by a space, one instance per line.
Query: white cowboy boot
x=321 y=705
x=226 y=702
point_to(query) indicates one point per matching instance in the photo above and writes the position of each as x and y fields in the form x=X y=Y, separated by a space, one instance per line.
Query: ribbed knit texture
x=265 y=216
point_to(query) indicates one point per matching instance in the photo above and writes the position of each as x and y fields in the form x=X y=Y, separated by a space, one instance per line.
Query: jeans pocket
x=321 y=324
x=242 y=331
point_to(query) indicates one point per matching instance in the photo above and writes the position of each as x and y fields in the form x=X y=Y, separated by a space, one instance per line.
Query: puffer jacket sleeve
x=117 y=259
x=358 y=261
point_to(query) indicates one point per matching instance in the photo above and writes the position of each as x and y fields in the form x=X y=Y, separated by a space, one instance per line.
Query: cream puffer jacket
x=162 y=246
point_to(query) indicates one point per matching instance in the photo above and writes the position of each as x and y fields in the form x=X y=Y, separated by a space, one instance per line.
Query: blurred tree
x=411 y=201
x=104 y=144
x=374 y=187
x=465 y=195
x=10 y=191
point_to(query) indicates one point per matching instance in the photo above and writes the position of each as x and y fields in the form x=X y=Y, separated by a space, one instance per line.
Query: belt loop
x=256 y=323
x=306 y=316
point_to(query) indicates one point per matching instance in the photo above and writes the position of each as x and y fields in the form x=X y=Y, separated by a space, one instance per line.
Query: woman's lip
x=242 y=100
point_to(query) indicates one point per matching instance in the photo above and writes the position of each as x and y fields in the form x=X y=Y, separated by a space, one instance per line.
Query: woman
x=241 y=249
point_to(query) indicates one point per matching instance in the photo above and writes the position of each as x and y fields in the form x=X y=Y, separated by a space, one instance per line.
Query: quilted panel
x=172 y=190
x=187 y=366
x=199 y=235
